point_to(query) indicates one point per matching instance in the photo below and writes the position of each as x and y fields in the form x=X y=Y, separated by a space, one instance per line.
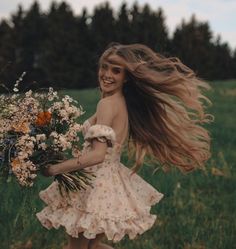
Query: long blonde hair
x=165 y=107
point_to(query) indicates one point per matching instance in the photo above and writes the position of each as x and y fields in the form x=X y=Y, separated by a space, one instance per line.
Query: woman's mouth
x=107 y=82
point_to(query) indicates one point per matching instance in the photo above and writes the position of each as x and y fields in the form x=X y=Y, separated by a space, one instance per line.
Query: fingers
x=45 y=171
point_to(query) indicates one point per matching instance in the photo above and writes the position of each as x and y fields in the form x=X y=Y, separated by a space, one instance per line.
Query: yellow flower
x=15 y=164
x=21 y=127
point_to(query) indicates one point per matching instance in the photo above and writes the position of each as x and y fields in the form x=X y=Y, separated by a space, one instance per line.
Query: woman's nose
x=108 y=73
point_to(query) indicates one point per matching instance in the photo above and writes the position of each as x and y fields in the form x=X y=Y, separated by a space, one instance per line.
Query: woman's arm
x=91 y=158
x=105 y=115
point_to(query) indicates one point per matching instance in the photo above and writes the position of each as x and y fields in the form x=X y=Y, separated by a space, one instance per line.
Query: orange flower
x=43 y=118
x=21 y=127
x=15 y=164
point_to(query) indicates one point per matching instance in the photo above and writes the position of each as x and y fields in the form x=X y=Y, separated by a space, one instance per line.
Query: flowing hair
x=165 y=108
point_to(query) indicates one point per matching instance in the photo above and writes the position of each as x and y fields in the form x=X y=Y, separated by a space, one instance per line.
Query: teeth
x=108 y=81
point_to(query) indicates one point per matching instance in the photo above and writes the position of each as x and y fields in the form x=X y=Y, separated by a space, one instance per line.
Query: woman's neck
x=117 y=94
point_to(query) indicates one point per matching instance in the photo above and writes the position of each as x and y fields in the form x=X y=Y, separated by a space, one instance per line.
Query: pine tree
x=102 y=27
x=33 y=35
x=148 y=27
x=123 y=28
x=6 y=53
x=11 y=65
x=135 y=22
x=222 y=60
x=59 y=57
x=86 y=68
x=192 y=44
x=234 y=64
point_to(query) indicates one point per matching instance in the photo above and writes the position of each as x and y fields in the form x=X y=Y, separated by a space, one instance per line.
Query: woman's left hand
x=47 y=171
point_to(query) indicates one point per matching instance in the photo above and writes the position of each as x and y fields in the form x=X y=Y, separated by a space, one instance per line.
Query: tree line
x=60 y=49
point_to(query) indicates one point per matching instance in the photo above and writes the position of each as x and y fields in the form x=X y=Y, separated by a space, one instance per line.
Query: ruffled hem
x=90 y=224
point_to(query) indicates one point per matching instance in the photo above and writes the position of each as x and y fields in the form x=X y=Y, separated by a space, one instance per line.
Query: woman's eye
x=104 y=66
x=116 y=70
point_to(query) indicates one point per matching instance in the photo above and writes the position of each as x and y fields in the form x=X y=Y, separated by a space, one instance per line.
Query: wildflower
x=40 y=137
x=43 y=118
x=23 y=127
x=29 y=93
x=178 y=185
x=42 y=146
x=15 y=164
x=76 y=152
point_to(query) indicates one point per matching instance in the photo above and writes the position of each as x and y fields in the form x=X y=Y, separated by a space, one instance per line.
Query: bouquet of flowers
x=36 y=130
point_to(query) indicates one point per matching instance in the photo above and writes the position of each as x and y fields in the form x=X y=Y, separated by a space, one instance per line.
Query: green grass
x=198 y=209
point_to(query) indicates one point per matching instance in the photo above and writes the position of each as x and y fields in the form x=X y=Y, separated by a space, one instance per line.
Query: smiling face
x=111 y=75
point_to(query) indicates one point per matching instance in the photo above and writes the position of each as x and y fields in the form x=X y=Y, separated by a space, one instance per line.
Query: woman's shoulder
x=108 y=103
x=113 y=99
x=111 y=106
x=106 y=111
x=107 y=100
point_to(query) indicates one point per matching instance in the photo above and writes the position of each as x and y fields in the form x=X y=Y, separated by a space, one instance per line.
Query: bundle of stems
x=73 y=181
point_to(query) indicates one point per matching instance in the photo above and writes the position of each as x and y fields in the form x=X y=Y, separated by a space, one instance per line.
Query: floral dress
x=117 y=202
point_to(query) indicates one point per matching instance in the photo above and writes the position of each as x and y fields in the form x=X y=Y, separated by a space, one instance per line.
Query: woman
x=153 y=102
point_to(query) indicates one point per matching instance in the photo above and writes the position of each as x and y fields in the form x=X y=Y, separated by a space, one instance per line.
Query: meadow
x=197 y=211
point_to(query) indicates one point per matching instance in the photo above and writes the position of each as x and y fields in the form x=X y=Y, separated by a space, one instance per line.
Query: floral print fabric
x=117 y=203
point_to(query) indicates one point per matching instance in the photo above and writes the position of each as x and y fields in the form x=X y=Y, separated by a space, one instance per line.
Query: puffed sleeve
x=102 y=133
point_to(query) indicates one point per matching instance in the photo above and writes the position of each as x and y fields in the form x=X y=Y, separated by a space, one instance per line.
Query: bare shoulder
x=105 y=111
x=109 y=103
x=105 y=101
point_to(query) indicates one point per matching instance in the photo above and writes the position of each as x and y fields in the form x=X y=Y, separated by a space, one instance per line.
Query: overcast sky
x=221 y=14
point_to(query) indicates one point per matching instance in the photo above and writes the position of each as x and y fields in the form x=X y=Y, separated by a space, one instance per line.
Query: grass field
x=197 y=212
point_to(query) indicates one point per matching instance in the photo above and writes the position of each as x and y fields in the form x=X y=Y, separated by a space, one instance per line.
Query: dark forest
x=60 y=49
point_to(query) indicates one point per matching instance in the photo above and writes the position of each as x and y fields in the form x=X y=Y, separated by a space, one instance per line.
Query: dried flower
x=21 y=127
x=43 y=118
